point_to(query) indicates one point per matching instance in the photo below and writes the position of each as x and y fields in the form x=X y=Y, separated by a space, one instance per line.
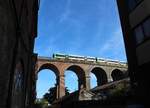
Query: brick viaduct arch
x=100 y=75
x=80 y=74
x=105 y=71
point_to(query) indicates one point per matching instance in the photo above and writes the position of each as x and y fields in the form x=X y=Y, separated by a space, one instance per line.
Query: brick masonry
x=105 y=71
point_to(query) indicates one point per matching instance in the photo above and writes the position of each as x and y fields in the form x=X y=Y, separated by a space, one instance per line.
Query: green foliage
x=119 y=90
x=41 y=103
x=66 y=91
x=50 y=96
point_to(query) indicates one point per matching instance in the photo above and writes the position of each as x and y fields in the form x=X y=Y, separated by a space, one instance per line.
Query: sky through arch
x=46 y=79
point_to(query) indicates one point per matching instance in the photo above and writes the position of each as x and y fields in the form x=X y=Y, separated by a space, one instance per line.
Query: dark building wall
x=18 y=29
x=7 y=48
x=128 y=38
x=135 y=22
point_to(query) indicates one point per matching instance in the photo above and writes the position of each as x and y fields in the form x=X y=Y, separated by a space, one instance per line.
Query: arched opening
x=46 y=79
x=101 y=76
x=93 y=81
x=18 y=87
x=71 y=81
x=79 y=72
x=117 y=75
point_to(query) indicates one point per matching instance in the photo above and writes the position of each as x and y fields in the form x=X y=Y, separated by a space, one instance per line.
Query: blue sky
x=79 y=27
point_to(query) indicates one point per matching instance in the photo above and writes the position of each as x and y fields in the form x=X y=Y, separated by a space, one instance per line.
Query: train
x=84 y=58
x=65 y=56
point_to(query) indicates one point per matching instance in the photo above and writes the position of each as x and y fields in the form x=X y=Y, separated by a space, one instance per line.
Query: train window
x=146 y=27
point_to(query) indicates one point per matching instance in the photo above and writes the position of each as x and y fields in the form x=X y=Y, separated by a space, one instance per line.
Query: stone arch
x=80 y=74
x=50 y=67
x=100 y=75
x=117 y=74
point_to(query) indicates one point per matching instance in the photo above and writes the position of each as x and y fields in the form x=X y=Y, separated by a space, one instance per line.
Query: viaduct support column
x=109 y=77
x=57 y=87
x=61 y=86
x=88 y=78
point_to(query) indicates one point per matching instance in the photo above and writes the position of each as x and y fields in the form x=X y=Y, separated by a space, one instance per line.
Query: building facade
x=135 y=22
x=18 y=29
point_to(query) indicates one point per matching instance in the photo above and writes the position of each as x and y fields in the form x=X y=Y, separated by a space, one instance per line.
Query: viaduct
x=104 y=70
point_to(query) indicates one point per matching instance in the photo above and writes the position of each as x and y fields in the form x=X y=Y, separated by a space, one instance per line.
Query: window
x=132 y=4
x=17 y=88
x=142 y=31
x=137 y=1
x=139 y=34
x=146 y=27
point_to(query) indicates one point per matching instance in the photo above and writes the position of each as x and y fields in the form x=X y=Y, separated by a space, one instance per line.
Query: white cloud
x=66 y=13
x=114 y=45
x=47 y=47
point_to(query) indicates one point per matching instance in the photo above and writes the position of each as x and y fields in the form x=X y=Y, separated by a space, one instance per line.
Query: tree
x=41 y=103
x=50 y=96
x=66 y=91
